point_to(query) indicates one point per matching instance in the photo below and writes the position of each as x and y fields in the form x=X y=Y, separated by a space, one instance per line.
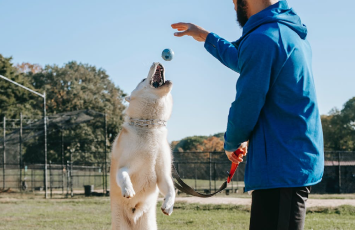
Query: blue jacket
x=276 y=106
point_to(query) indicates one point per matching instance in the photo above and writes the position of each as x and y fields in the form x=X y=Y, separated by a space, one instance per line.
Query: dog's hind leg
x=119 y=218
x=148 y=220
x=124 y=182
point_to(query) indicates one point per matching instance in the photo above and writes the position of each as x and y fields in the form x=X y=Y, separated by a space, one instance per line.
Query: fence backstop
x=78 y=155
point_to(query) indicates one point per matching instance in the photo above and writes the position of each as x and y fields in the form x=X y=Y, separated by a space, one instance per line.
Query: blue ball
x=167 y=54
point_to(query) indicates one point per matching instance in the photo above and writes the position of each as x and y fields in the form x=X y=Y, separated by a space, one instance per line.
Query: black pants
x=279 y=209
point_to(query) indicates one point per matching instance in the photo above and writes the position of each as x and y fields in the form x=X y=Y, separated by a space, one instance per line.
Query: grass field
x=94 y=213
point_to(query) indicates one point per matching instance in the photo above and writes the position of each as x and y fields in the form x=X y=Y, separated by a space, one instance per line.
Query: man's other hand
x=237 y=159
x=198 y=33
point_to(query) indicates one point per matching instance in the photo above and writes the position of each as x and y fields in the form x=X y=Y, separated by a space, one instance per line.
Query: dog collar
x=149 y=123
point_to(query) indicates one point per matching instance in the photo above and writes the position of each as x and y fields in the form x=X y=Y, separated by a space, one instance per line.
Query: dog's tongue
x=158 y=77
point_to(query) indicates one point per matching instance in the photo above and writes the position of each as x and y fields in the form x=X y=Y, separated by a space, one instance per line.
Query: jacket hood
x=280 y=13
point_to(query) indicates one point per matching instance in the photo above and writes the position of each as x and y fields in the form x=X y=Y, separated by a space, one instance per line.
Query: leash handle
x=234 y=166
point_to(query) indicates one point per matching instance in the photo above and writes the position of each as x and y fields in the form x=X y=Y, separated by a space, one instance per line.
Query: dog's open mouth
x=158 y=78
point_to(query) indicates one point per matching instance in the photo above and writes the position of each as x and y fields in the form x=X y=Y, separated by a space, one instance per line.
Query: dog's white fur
x=141 y=160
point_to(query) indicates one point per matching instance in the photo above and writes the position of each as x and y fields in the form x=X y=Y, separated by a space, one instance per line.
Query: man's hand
x=237 y=159
x=198 y=33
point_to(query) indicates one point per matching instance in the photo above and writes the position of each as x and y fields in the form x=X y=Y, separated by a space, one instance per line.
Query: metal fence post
x=210 y=164
x=4 y=156
x=214 y=174
x=50 y=177
x=67 y=167
x=105 y=190
x=339 y=172
x=195 y=176
x=103 y=178
x=62 y=152
x=32 y=178
x=20 y=152
x=23 y=183
x=45 y=144
x=94 y=179
x=71 y=179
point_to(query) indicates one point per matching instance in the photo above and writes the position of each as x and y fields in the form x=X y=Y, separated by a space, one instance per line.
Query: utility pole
x=45 y=145
x=20 y=149
x=105 y=153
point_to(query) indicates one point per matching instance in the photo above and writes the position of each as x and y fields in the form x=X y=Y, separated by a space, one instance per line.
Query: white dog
x=141 y=156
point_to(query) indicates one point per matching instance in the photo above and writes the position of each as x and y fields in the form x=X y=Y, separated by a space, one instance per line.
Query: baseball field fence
x=205 y=171
x=79 y=160
x=77 y=154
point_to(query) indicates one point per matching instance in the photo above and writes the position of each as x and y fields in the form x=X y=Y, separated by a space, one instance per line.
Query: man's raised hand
x=189 y=29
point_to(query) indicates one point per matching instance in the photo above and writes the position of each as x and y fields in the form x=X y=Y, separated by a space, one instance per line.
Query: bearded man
x=275 y=109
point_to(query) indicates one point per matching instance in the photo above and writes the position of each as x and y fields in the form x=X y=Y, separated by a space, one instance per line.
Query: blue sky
x=125 y=37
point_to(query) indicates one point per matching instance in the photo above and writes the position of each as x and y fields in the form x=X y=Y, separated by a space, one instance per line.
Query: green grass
x=55 y=214
x=94 y=213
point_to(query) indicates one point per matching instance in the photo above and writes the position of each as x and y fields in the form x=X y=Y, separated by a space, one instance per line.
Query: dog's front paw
x=128 y=192
x=168 y=205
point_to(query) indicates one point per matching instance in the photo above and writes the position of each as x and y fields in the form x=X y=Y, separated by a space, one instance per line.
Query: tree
x=199 y=144
x=213 y=144
x=73 y=87
x=194 y=143
x=13 y=99
x=26 y=67
x=348 y=123
x=220 y=136
x=339 y=128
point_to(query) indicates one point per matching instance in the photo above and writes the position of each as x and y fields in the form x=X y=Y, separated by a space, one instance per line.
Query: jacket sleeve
x=257 y=55
x=223 y=50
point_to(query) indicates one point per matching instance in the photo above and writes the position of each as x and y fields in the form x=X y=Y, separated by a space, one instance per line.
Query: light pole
x=45 y=127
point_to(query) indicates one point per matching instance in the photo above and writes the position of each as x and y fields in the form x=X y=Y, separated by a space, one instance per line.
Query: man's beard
x=242 y=15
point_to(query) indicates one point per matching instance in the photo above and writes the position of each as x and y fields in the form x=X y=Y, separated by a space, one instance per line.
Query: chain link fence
x=339 y=173
x=207 y=171
x=77 y=153
x=78 y=156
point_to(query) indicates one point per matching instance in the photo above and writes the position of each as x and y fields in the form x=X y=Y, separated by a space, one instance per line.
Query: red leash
x=183 y=187
x=234 y=166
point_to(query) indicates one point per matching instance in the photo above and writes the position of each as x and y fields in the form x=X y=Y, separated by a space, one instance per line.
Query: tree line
x=73 y=86
x=338 y=130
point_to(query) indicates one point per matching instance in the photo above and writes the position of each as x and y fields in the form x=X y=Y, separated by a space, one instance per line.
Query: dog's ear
x=128 y=99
